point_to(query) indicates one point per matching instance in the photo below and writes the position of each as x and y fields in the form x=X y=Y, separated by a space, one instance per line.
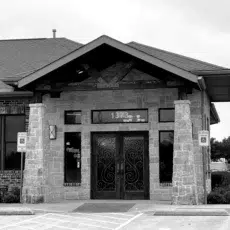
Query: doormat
x=104 y=207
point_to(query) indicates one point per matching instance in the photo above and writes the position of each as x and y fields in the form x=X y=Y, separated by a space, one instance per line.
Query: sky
x=197 y=28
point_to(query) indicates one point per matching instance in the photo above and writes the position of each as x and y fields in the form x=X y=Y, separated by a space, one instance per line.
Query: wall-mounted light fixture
x=53 y=132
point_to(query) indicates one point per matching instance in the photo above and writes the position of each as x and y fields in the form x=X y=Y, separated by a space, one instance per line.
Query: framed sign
x=21 y=142
x=203 y=137
x=120 y=116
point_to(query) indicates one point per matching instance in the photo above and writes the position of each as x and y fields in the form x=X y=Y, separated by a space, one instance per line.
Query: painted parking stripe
x=92 y=225
x=122 y=214
x=74 y=219
x=16 y=224
x=77 y=217
x=128 y=221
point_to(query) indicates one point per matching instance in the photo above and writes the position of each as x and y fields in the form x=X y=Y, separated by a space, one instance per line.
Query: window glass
x=13 y=125
x=166 y=115
x=72 y=158
x=166 y=156
x=120 y=116
x=72 y=117
x=12 y=157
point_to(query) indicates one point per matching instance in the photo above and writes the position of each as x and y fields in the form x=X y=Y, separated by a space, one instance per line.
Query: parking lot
x=67 y=221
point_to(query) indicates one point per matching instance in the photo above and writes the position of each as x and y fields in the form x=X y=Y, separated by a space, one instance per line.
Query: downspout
x=202 y=86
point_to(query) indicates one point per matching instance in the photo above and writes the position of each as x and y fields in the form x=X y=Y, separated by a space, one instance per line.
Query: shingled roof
x=20 y=57
x=186 y=63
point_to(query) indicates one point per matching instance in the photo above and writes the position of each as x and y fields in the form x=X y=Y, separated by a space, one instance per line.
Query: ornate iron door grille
x=120 y=165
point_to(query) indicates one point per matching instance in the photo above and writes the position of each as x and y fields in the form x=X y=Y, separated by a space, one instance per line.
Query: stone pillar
x=34 y=172
x=184 y=176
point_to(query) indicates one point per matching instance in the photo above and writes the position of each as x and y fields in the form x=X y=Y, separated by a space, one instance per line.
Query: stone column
x=34 y=172
x=184 y=176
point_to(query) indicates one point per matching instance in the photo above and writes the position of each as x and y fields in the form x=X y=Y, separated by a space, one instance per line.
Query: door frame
x=146 y=160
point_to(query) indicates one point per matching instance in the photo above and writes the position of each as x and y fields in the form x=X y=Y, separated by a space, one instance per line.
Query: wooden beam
x=93 y=87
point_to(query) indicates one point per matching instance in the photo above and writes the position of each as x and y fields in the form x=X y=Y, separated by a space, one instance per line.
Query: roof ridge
x=72 y=41
x=179 y=55
x=22 y=39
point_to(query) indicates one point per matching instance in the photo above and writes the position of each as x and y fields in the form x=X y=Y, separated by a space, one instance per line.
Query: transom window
x=72 y=117
x=166 y=115
x=120 y=116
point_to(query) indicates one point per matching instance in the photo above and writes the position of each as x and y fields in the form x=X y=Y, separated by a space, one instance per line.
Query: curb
x=15 y=211
x=189 y=212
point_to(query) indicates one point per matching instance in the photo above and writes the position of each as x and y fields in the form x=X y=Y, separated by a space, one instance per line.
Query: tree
x=220 y=149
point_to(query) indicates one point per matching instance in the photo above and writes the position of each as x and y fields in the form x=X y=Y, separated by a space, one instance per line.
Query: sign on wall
x=203 y=137
x=21 y=142
x=120 y=116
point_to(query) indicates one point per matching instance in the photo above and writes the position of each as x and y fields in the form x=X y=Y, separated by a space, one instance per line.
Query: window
x=120 y=116
x=10 y=125
x=72 y=117
x=166 y=115
x=72 y=175
x=166 y=156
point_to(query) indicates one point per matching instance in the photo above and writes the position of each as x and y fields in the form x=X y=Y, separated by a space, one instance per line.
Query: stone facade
x=184 y=175
x=46 y=180
x=198 y=123
x=153 y=99
x=35 y=173
x=10 y=178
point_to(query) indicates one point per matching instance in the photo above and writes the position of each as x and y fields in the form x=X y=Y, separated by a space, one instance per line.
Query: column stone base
x=34 y=172
x=184 y=177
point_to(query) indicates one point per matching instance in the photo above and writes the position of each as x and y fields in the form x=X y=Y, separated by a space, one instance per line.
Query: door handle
x=118 y=168
x=122 y=168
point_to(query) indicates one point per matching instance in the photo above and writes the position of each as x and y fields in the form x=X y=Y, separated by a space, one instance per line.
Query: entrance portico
x=110 y=76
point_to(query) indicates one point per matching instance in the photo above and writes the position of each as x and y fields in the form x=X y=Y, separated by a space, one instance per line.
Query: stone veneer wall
x=195 y=108
x=10 y=178
x=35 y=172
x=86 y=101
x=184 y=175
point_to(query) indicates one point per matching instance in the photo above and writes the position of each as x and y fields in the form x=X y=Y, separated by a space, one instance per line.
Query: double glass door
x=120 y=165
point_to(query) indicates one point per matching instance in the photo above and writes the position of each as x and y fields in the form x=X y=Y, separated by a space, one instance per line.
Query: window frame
x=72 y=184
x=159 y=132
x=118 y=110
x=159 y=115
x=65 y=117
x=3 y=141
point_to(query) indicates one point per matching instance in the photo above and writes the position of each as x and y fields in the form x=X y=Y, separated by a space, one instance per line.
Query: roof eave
x=211 y=72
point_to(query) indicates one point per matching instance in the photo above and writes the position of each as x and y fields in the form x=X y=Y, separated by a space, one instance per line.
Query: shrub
x=227 y=197
x=11 y=196
x=215 y=198
x=220 y=179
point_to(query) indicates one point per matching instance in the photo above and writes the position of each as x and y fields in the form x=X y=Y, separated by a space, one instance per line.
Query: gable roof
x=186 y=63
x=20 y=57
x=25 y=60
x=113 y=43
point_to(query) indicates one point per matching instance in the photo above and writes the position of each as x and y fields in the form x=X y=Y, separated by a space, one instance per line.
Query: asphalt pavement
x=142 y=215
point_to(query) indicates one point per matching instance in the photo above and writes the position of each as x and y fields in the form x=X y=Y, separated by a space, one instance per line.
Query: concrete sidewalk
x=140 y=206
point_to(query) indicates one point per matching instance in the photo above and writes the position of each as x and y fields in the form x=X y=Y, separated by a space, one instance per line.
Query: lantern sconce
x=53 y=132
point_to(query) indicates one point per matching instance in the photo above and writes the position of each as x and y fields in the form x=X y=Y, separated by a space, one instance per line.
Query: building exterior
x=106 y=120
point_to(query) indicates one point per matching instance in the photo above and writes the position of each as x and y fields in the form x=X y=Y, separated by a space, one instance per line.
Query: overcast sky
x=195 y=28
